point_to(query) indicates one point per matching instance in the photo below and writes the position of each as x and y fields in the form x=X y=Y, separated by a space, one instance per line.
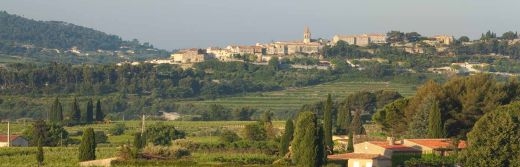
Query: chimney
x=390 y=140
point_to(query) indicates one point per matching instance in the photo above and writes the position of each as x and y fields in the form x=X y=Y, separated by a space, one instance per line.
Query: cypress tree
x=350 y=145
x=76 y=112
x=357 y=125
x=327 y=125
x=87 y=147
x=139 y=141
x=321 y=151
x=39 y=154
x=99 y=114
x=56 y=111
x=343 y=120
x=304 y=146
x=287 y=137
x=89 y=117
x=435 y=127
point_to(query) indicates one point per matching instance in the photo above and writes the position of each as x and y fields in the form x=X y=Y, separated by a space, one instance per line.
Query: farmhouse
x=15 y=140
x=379 y=153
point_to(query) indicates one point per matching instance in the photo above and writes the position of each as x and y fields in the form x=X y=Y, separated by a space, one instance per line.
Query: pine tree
x=435 y=127
x=76 y=112
x=89 y=117
x=99 y=114
x=350 y=145
x=327 y=125
x=39 y=154
x=87 y=147
x=287 y=137
x=304 y=145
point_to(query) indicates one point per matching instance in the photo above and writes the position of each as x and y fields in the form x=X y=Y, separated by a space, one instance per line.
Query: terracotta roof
x=437 y=143
x=3 y=138
x=395 y=147
x=356 y=156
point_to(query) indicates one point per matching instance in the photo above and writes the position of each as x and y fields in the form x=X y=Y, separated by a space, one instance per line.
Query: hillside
x=23 y=39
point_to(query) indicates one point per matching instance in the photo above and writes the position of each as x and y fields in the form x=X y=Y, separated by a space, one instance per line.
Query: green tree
x=267 y=118
x=464 y=39
x=89 y=116
x=228 y=136
x=87 y=147
x=139 y=141
x=76 y=112
x=495 y=139
x=39 y=154
x=435 y=126
x=350 y=144
x=510 y=35
x=274 y=63
x=391 y=118
x=286 y=137
x=161 y=134
x=255 y=132
x=357 y=124
x=99 y=113
x=327 y=124
x=56 y=113
x=418 y=128
x=343 y=120
x=304 y=145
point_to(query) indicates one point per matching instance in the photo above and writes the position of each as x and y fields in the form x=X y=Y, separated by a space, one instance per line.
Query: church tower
x=307 y=35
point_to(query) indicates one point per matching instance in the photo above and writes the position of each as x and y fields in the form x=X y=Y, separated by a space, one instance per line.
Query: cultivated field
x=293 y=99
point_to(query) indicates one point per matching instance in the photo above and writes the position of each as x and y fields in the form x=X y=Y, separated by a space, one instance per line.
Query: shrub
x=228 y=136
x=101 y=137
x=117 y=129
x=166 y=152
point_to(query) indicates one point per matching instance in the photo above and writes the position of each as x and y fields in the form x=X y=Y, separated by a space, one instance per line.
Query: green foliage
x=304 y=146
x=117 y=129
x=391 y=116
x=356 y=126
x=51 y=134
x=228 y=136
x=87 y=147
x=350 y=144
x=76 y=112
x=56 y=111
x=89 y=115
x=431 y=160
x=327 y=124
x=161 y=134
x=510 y=35
x=286 y=137
x=495 y=139
x=39 y=154
x=255 y=132
x=418 y=128
x=139 y=141
x=399 y=159
x=101 y=137
x=344 y=119
x=435 y=127
x=168 y=152
x=100 y=116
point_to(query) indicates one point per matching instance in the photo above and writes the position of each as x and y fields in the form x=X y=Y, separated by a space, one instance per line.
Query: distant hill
x=23 y=39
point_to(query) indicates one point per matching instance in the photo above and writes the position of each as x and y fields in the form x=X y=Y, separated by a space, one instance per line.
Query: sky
x=177 y=24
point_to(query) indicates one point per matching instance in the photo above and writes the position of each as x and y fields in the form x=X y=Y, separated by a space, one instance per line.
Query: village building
x=444 y=39
x=14 y=141
x=360 y=40
x=379 y=153
x=292 y=47
x=189 y=56
x=219 y=53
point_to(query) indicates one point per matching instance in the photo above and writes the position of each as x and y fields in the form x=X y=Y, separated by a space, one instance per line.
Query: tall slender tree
x=343 y=120
x=56 y=111
x=287 y=137
x=350 y=145
x=89 y=116
x=327 y=125
x=435 y=126
x=99 y=114
x=87 y=147
x=304 y=146
x=39 y=154
x=76 y=112
x=357 y=125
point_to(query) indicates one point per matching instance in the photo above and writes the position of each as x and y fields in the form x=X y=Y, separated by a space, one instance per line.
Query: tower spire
x=306 y=35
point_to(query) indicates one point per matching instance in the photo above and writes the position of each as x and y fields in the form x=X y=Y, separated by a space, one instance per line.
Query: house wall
x=369 y=148
x=369 y=163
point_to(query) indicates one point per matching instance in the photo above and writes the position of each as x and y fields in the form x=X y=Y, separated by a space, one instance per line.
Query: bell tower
x=307 y=35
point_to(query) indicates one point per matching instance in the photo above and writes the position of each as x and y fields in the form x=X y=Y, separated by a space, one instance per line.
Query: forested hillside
x=27 y=40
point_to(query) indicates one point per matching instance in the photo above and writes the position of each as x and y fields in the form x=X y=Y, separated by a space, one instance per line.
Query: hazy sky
x=171 y=24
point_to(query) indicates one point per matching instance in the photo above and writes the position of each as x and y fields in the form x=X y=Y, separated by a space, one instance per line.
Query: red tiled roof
x=356 y=156
x=3 y=138
x=395 y=147
x=437 y=143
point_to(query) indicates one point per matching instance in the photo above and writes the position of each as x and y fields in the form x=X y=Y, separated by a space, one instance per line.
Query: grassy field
x=293 y=99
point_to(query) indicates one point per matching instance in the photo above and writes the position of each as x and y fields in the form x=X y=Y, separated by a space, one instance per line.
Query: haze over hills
x=23 y=39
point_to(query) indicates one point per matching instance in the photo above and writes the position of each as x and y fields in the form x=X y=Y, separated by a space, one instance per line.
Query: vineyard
x=293 y=99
